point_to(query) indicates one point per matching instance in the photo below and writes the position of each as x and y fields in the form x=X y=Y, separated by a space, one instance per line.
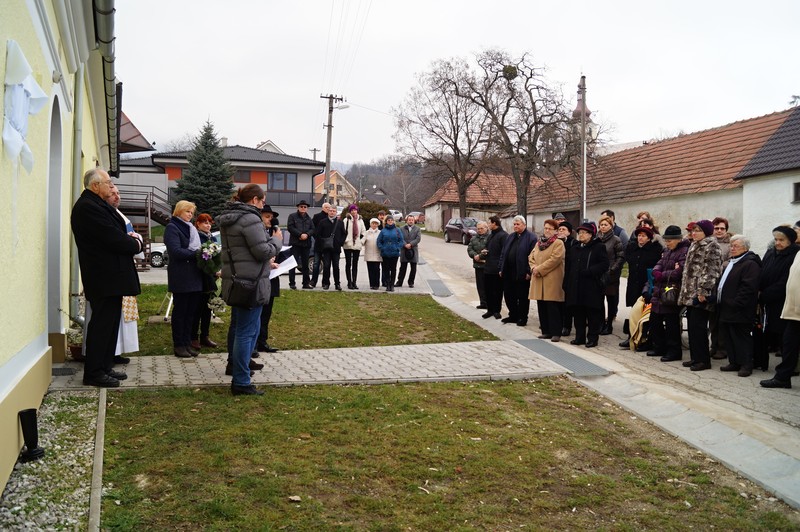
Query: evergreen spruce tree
x=208 y=182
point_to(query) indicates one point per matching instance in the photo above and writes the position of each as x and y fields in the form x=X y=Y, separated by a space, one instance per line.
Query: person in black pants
x=584 y=291
x=565 y=234
x=270 y=219
x=301 y=229
x=493 y=284
x=516 y=272
x=105 y=253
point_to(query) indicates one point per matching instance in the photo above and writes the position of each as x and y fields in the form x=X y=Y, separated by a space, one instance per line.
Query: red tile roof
x=488 y=189
x=689 y=164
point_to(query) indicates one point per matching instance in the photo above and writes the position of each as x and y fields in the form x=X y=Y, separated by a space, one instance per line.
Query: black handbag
x=669 y=295
x=327 y=243
x=244 y=291
x=409 y=254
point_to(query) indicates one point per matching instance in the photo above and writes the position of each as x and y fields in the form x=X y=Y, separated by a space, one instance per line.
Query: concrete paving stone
x=688 y=422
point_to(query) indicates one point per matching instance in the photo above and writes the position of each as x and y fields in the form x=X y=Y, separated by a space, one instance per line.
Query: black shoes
x=730 y=367
x=256 y=365
x=120 y=376
x=104 y=381
x=566 y=331
x=338 y=287
x=745 y=371
x=544 y=336
x=522 y=323
x=577 y=342
x=390 y=288
x=509 y=320
x=688 y=364
x=182 y=352
x=192 y=351
x=669 y=359
x=775 y=383
x=652 y=353
x=245 y=390
x=481 y=306
x=487 y=315
x=700 y=366
x=293 y=286
x=591 y=343
x=411 y=285
x=121 y=360
x=307 y=287
x=625 y=344
x=265 y=349
x=497 y=315
x=398 y=284
x=324 y=287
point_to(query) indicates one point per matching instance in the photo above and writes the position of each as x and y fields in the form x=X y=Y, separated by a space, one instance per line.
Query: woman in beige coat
x=547 y=280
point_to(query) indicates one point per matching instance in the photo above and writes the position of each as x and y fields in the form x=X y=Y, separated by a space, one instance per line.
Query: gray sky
x=256 y=68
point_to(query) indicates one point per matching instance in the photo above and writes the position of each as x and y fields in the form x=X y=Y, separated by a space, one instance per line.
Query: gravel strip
x=52 y=493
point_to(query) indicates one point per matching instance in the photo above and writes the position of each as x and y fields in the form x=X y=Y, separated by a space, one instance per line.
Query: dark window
x=797 y=192
x=241 y=176
x=283 y=181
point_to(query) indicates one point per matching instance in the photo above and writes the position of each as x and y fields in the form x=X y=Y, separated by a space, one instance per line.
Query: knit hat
x=353 y=207
x=567 y=225
x=673 y=232
x=589 y=227
x=705 y=225
x=374 y=220
x=786 y=230
x=645 y=230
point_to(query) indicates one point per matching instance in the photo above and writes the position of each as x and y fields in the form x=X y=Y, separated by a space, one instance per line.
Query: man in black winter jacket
x=301 y=229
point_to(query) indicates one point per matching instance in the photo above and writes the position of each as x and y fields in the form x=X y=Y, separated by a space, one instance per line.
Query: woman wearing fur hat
x=703 y=268
x=641 y=255
x=584 y=290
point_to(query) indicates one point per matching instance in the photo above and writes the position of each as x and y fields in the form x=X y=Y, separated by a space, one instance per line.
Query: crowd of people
x=738 y=306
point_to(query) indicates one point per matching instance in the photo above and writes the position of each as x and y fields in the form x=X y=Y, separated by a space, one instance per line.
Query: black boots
x=607 y=328
x=30 y=433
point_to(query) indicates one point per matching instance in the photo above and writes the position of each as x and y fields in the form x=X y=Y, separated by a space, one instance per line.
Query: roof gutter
x=104 y=29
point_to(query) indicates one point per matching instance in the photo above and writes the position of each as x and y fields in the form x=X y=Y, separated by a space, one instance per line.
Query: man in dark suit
x=105 y=253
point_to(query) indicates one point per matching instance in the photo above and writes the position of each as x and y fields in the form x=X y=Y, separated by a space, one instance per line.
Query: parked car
x=158 y=255
x=460 y=230
x=419 y=217
x=397 y=215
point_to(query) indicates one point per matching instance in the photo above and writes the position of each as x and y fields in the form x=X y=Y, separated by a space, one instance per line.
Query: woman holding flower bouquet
x=184 y=278
x=209 y=261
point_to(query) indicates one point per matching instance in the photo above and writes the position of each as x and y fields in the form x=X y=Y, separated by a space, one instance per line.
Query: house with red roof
x=489 y=195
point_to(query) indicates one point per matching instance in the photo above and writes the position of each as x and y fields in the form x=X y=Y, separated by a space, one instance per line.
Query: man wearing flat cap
x=301 y=229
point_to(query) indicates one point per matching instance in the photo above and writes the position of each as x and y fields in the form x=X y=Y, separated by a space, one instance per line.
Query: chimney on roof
x=223 y=142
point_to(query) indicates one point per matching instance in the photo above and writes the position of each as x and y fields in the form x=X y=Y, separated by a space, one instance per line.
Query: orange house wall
x=173 y=173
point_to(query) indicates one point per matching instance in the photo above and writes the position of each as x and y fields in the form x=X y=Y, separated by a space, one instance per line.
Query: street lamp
x=331 y=99
x=582 y=112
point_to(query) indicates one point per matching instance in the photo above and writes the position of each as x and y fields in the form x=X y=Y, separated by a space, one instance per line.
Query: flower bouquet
x=209 y=258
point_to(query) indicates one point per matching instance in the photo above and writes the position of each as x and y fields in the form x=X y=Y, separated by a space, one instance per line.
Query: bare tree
x=530 y=122
x=183 y=143
x=448 y=134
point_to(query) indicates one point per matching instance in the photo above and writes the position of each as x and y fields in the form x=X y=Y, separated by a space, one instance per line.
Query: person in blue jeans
x=247 y=253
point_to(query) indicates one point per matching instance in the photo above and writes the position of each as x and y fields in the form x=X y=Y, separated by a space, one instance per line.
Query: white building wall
x=768 y=202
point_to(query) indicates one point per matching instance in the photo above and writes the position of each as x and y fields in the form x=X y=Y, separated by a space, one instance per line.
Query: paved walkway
x=752 y=430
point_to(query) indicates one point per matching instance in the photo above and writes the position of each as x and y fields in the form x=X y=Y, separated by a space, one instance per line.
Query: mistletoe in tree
x=207 y=182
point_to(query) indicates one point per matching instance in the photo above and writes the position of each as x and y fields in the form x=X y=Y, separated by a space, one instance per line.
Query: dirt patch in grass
x=545 y=454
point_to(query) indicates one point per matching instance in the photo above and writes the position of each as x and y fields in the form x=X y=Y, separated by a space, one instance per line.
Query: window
x=283 y=181
x=241 y=176
x=797 y=192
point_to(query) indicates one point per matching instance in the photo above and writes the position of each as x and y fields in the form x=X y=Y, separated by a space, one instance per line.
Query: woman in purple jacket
x=665 y=319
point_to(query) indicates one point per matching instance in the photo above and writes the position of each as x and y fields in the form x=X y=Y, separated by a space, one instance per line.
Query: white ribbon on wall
x=23 y=97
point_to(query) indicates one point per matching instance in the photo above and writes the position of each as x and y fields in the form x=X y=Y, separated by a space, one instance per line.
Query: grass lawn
x=305 y=319
x=545 y=454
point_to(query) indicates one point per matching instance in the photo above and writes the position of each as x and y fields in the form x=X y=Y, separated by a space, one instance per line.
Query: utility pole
x=314 y=151
x=331 y=98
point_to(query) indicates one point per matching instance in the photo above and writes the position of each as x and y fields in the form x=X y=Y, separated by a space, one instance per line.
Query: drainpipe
x=104 y=24
x=77 y=189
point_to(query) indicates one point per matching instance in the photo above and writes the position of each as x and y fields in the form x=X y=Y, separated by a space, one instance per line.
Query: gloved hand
x=657 y=275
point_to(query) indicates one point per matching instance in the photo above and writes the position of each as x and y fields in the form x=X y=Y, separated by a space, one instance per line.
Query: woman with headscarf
x=354 y=233
x=547 y=280
x=665 y=317
x=616 y=259
x=703 y=268
x=184 y=278
x=584 y=289
x=772 y=292
x=246 y=255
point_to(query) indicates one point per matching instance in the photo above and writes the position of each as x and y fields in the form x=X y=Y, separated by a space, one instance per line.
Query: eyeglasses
x=303 y=206
x=721 y=228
